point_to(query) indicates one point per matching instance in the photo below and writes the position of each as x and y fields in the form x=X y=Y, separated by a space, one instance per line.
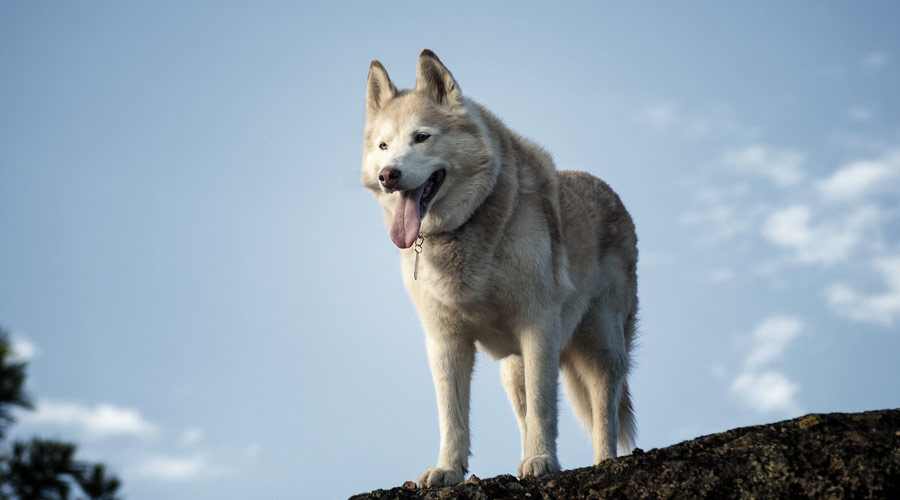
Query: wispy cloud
x=720 y=214
x=879 y=308
x=767 y=392
x=659 y=117
x=167 y=468
x=762 y=388
x=715 y=120
x=860 y=113
x=874 y=61
x=781 y=166
x=770 y=338
x=719 y=222
x=190 y=437
x=23 y=349
x=819 y=242
x=721 y=275
x=843 y=217
x=860 y=178
x=103 y=420
x=789 y=227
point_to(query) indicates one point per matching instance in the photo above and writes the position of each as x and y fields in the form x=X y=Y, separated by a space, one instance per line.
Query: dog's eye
x=422 y=137
x=382 y=146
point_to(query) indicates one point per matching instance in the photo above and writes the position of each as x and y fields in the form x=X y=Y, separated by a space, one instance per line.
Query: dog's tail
x=627 y=425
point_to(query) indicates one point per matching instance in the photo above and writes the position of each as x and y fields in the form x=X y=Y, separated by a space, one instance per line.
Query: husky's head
x=425 y=157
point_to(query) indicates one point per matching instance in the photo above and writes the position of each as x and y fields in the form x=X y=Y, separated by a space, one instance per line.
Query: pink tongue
x=407 y=219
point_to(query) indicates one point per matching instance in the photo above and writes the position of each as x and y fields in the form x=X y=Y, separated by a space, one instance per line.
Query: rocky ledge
x=836 y=455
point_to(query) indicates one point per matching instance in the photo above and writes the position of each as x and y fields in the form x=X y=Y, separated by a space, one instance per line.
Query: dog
x=502 y=253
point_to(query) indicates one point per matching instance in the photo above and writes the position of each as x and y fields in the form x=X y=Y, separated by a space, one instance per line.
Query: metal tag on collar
x=418 y=248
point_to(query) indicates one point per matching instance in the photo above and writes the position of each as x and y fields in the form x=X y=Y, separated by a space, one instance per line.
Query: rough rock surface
x=837 y=455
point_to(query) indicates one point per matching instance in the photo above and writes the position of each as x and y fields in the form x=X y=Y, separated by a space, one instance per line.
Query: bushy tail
x=627 y=425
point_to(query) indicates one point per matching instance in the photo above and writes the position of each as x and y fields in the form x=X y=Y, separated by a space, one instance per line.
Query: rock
x=826 y=456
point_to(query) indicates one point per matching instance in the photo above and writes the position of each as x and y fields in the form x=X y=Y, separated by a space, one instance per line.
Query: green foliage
x=12 y=383
x=97 y=485
x=41 y=469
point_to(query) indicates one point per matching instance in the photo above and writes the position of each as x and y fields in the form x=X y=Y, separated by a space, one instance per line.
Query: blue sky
x=199 y=281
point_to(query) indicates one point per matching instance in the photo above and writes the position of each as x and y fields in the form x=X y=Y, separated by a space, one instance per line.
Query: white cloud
x=763 y=389
x=190 y=437
x=860 y=113
x=860 y=178
x=103 y=420
x=23 y=349
x=781 y=166
x=720 y=222
x=658 y=117
x=770 y=338
x=721 y=275
x=181 y=468
x=825 y=242
x=720 y=214
x=175 y=469
x=767 y=392
x=874 y=61
x=789 y=227
x=711 y=121
x=881 y=308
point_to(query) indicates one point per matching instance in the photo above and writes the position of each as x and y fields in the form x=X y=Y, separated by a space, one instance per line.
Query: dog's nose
x=389 y=177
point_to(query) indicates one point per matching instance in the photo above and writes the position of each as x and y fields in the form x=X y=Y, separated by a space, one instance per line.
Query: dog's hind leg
x=600 y=360
x=576 y=391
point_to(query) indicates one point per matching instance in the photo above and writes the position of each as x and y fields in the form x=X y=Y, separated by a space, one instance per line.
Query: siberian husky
x=502 y=252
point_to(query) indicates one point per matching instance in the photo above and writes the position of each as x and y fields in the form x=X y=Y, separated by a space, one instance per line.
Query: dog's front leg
x=451 y=360
x=540 y=352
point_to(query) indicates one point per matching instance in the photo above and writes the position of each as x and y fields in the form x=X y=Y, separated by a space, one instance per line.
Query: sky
x=210 y=302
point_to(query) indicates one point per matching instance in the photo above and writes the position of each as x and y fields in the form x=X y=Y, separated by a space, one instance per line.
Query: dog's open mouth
x=431 y=188
x=411 y=207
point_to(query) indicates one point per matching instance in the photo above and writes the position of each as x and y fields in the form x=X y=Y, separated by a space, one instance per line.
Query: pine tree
x=12 y=383
x=97 y=485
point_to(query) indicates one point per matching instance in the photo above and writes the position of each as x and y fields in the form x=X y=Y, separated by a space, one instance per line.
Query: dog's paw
x=435 y=477
x=538 y=466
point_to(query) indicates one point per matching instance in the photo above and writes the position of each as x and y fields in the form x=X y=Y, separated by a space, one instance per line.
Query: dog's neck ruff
x=420 y=239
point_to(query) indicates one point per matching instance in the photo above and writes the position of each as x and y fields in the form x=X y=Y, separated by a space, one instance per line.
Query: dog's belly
x=499 y=345
x=487 y=322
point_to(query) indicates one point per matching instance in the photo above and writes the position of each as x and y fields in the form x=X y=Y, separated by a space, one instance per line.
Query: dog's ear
x=433 y=78
x=379 y=89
